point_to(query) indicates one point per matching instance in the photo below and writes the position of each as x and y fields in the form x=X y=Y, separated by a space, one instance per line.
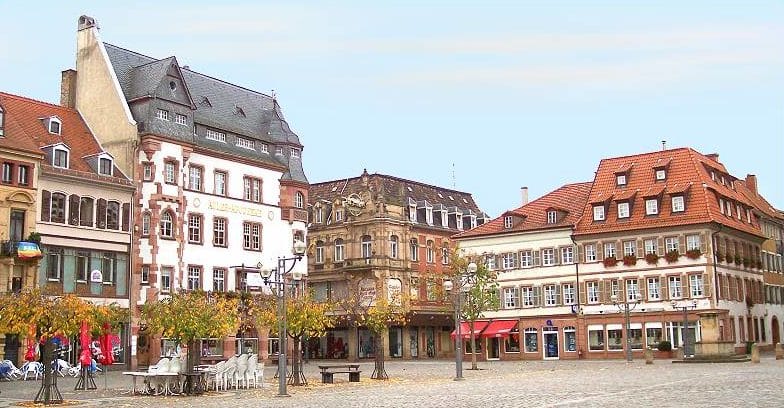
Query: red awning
x=499 y=328
x=465 y=328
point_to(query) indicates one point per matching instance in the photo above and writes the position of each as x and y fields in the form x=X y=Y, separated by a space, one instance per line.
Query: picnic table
x=328 y=371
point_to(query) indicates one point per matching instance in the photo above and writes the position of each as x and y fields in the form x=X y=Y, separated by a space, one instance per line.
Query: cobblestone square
x=507 y=384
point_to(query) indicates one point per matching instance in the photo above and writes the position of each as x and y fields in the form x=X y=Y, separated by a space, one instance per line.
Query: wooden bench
x=328 y=371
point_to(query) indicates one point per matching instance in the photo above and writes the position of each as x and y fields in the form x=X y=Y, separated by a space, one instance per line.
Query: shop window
x=635 y=334
x=596 y=338
x=653 y=335
x=512 y=342
x=531 y=340
x=211 y=347
x=614 y=337
x=570 y=338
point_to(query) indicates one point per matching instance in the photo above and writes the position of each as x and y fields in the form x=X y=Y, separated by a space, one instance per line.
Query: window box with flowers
x=629 y=260
x=610 y=261
x=719 y=256
x=694 y=253
x=672 y=256
x=652 y=258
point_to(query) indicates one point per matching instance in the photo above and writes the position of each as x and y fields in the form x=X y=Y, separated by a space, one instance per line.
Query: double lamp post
x=626 y=307
x=465 y=280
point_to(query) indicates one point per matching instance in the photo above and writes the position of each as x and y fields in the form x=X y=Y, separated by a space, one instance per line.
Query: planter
x=658 y=354
x=738 y=260
x=694 y=253
x=629 y=260
x=610 y=262
x=720 y=257
x=672 y=256
x=652 y=259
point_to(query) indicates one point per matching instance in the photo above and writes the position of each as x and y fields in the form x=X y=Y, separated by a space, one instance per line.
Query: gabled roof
x=688 y=173
x=15 y=135
x=29 y=130
x=760 y=203
x=571 y=198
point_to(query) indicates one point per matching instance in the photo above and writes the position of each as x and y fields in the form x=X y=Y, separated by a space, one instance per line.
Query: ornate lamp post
x=465 y=280
x=685 y=307
x=279 y=280
x=627 y=307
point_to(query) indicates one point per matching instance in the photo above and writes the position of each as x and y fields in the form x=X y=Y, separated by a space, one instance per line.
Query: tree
x=304 y=316
x=34 y=314
x=186 y=317
x=481 y=294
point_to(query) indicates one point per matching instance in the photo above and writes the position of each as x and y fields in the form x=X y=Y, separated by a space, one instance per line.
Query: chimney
x=68 y=89
x=86 y=22
x=713 y=156
x=524 y=192
x=751 y=183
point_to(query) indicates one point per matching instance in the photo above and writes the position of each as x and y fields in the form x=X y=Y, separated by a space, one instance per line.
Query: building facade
x=218 y=171
x=377 y=236
x=21 y=161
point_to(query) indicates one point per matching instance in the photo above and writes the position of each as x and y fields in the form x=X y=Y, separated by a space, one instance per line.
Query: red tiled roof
x=14 y=135
x=688 y=172
x=626 y=195
x=24 y=115
x=760 y=203
x=571 y=198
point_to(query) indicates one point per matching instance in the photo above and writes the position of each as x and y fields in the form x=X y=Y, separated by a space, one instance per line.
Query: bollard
x=755 y=357
x=679 y=353
x=779 y=352
x=648 y=356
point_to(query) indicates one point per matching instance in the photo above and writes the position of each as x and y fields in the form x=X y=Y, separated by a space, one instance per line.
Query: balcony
x=22 y=250
x=294 y=214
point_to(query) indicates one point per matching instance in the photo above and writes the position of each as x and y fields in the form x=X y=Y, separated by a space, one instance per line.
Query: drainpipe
x=131 y=361
x=577 y=297
x=716 y=283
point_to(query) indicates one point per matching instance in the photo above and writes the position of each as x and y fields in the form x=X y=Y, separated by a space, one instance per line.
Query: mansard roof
x=570 y=198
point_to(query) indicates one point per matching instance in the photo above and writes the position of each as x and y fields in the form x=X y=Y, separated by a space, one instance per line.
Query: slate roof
x=262 y=119
x=688 y=172
x=25 y=128
x=570 y=198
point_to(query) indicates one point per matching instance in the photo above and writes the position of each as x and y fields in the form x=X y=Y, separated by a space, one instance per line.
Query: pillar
x=648 y=356
x=406 y=343
x=755 y=356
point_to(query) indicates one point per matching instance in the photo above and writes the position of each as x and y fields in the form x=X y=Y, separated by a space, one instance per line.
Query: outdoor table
x=194 y=383
x=166 y=383
x=134 y=375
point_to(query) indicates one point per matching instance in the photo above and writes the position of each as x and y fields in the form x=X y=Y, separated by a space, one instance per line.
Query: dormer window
x=162 y=114
x=105 y=166
x=651 y=206
x=429 y=216
x=678 y=203
x=294 y=152
x=598 y=213
x=552 y=217
x=412 y=213
x=620 y=180
x=54 y=126
x=661 y=174
x=508 y=222
x=623 y=210
x=244 y=143
x=264 y=148
x=60 y=158
x=279 y=151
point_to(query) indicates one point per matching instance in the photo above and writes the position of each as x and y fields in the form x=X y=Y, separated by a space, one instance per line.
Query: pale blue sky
x=513 y=94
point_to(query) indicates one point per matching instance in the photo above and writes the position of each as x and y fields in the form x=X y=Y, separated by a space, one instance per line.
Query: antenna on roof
x=664 y=145
x=454 y=179
x=274 y=95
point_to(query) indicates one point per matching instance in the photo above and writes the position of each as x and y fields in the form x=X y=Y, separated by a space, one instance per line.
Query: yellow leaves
x=188 y=316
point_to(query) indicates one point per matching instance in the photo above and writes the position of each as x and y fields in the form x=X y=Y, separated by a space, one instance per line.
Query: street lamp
x=279 y=280
x=685 y=307
x=627 y=307
x=465 y=281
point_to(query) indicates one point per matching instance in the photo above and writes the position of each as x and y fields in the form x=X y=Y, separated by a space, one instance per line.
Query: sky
x=483 y=97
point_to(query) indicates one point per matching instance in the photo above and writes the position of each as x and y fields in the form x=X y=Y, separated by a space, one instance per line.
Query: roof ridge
x=131 y=51
x=154 y=61
x=38 y=101
x=398 y=179
x=564 y=186
x=644 y=154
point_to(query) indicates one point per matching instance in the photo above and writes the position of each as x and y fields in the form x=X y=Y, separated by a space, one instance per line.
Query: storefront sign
x=367 y=292
x=96 y=276
x=237 y=209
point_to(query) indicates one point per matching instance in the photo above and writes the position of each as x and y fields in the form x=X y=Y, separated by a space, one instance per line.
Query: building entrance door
x=774 y=328
x=493 y=348
x=550 y=342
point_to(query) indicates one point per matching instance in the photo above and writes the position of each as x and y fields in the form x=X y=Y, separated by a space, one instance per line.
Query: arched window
x=319 y=252
x=146 y=224
x=167 y=224
x=299 y=200
x=86 y=211
x=340 y=249
x=367 y=248
x=414 y=249
x=57 y=213
x=393 y=247
x=431 y=252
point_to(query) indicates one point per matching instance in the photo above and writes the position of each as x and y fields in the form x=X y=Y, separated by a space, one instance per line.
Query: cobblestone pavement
x=506 y=384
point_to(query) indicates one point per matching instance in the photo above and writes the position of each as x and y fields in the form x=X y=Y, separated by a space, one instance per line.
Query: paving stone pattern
x=501 y=384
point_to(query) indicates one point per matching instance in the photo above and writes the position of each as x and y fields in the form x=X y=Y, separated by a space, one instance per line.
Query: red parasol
x=106 y=344
x=85 y=357
x=30 y=354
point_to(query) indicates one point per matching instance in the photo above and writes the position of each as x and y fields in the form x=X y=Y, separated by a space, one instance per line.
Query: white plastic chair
x=230 y=370
x=253 y=372
x=242 y=368
x=32 y=367
x=215 y=374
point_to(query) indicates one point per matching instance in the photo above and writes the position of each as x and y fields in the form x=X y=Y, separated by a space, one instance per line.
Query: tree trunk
x=194 y=355
x=473 y=347
x=379 y=373
x=48 y=393
x=296 y=357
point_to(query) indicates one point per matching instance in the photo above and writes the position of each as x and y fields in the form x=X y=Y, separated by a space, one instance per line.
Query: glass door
x=550 y=345
x=493 y=348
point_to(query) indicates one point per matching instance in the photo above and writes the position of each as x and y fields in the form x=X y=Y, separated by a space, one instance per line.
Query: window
x=508 y=260
x=596 y=338
x=430 y=252
x=169 y=171
x=590 y=252
x=614 y=337
x=82 y=266
x=264 y=148
x=677 y=204
x=654 y=289
x=393 y=247
x=194 y=228
x=623 y=210
x=294 y=152
x=113 y=215
x=511 y=298
x=252 y=189
x=593 y=291
x=194 y=277
x=552 y=217
x=251 y=236
x=692 y=242
x=147 y=171
x=162 y=114
x=338 y=215
x=650 y=246
x=218 y=280
x=508 y=222
x=661 y=174
x=598 y=213
x=180 y=119
x=57 y=209
x=629 y=248
x=318 y=214
x=696 y=285
x=216 y=136
x=651 y=206
x=671 y=244
x=632 y=290
x=220 y=183
x=54 y=264
x=145 y=274
x=653 y=335
x=366 y=247
x=54 y=126
x=319 y=252
x=109 y=266
x=16 y=228
x=529 y=296
x=675 y=287
x=570 y=338
x=490 y=263
x=105 y=166
x=609 y=250
x=615 y=287
x=8 y=172
x=195 y=177
x=548 y=257
x=568 y=293
x=60 y=158
x=166 y=274
x=567 y=255
x=414 y=249
x=24 y=178
x=620 y=180
x=245 y=143
x=550 y=295
x=145 y=224
x=279 y=151
x=728 y=207
x=299 y=200
x=340 y=249
x=445 y=254
x=531 y=339
x=166 y=225
x=2 y=114
x=526 y=259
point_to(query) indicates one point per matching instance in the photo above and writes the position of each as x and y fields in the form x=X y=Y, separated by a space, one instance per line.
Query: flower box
x=610 y=261
x=672 y=256
x=652 y=258
x=629 y=260
x=694 y=253
x=738 y=260
x=719 y=256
